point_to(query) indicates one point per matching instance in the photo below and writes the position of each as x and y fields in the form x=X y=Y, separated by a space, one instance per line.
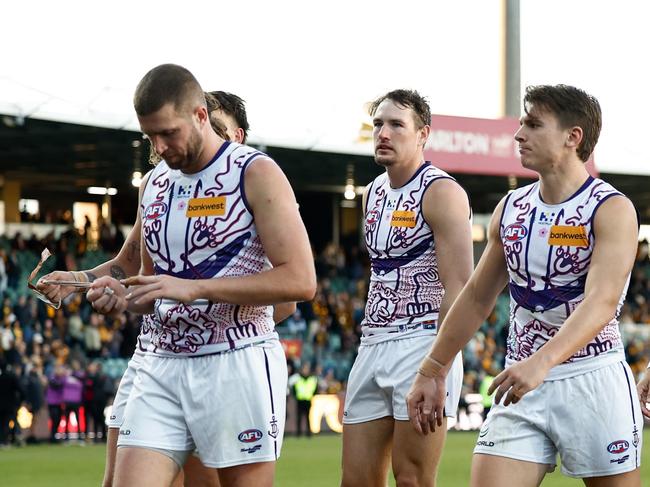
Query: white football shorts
x=229 y=406
x=592 y=420
x=382 y=375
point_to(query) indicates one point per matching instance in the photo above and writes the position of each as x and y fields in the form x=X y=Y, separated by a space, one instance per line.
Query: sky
x=307 y=69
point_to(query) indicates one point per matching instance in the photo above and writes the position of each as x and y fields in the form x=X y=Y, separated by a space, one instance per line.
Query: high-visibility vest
x=306 y=388
x=487 y=399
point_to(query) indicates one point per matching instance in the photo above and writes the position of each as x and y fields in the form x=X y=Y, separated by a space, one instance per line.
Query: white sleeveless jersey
x=405 y=289
x=548 y=250
x=199 y=226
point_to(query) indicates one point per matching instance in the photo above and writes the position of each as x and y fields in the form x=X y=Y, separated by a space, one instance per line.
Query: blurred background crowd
x=62 y=367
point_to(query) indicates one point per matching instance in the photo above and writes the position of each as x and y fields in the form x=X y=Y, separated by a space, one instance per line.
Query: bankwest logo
x=206 y=206
x=403 y=219
x=568 y=236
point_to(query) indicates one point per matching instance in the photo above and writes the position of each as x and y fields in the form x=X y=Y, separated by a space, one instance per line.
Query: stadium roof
x=307 y=71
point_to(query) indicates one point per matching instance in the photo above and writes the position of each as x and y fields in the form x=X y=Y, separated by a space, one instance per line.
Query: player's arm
x=426 y=398
x=282 y=311
x=446 y=210
x=643 y=388
x=616 y=234
x=284 y=238
x=137 y=259
x=125 y=263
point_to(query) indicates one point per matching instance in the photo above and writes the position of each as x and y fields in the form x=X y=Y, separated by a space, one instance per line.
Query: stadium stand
x=43 y=348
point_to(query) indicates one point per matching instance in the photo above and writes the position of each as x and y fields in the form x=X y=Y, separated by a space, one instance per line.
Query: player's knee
x=413 y=478
x=355 y=479
x=413 y=482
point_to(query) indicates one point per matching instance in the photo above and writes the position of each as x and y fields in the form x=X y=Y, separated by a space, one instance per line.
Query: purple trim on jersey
x=503 y=212
x=633 y=397
x=212 y=264
x=421 y=168
x=426 y=185
x=365 y=209
x=224 y=146
x=584 y=186
x=242 y=188
x=593 y=215
x=385 y=265
x=146 y=183
x=548 y=298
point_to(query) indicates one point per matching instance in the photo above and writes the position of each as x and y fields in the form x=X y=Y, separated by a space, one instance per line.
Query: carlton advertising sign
x=478 y=146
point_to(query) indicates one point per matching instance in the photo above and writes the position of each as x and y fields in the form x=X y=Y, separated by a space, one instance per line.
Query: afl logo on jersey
x=373 y=217
x=515 y=232
x=155 y=210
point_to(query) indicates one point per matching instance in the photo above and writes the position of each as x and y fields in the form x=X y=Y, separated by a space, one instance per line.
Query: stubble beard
x=384 y=161
x=194 y=147
x=192 y=153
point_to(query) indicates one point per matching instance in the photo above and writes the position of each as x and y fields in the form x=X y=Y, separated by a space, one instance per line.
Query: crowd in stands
x=54 y=362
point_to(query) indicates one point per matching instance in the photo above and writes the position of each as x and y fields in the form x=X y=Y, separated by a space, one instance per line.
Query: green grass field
x=304 y=463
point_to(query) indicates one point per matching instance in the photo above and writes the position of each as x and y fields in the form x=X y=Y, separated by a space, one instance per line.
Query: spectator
x=35 y=383
x=96 y=391
x=55 y=402
x=304 y=390
x=3 y=273
x=11 y=396
x=296 y=324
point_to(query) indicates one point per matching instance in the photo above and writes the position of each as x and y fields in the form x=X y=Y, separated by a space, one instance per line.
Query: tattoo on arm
x=117 y=272
x=91 y=277
x=133 y=251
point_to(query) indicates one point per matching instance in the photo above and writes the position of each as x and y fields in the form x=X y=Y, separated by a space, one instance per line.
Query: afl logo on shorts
x=155 y=210
x=618 y=447
x=515 y=232
x=250 y=436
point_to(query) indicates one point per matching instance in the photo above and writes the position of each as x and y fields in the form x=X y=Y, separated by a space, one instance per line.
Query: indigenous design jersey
x=548 y=250
x=199 y=226
x=147 y=328
x=405 y=290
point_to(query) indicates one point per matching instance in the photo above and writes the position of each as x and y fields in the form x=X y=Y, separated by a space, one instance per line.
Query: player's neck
x=562 y=182
x=400 y=174
x=211 y=145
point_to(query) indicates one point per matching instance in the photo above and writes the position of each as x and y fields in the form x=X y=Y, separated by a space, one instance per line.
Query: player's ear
x=574 y=137
x=239 y=135
x=201 y=114
x=424 y=134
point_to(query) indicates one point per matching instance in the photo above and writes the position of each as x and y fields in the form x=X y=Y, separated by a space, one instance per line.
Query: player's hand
x=55 y=292
x=108 y=296
x=517 y=380
x=643 y=388
x=150 y=288
x=425 y=403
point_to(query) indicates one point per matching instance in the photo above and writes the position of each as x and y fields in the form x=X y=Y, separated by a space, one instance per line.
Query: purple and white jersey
x=199 y=226
x=548 y=251
x=405 y=289
x=147 y=329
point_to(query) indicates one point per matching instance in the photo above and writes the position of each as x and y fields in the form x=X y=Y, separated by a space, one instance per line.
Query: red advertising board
x=292 y=347
x=478 y=146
